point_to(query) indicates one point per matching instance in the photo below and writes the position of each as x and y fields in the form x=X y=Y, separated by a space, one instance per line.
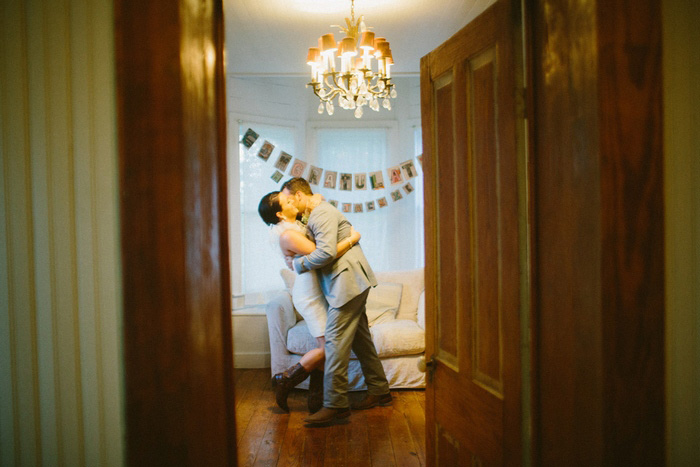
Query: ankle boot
x=315 y=396
x=286 y=381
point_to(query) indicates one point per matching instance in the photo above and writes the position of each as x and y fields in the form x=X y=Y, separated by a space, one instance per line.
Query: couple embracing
x=330 y=292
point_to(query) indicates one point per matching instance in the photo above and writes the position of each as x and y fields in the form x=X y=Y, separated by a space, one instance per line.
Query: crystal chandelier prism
x=355 y=84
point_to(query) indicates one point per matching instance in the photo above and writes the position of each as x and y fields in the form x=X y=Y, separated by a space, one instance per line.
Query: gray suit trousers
x=347 y=329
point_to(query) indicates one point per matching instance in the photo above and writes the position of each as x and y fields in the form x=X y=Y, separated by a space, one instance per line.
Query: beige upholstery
x=396 y=311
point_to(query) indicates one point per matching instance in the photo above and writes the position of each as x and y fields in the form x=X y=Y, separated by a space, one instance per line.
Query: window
x=260 y=263
x=392 y=237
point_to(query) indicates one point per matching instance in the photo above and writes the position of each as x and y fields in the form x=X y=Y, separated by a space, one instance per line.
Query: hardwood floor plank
x=358 y=440
x=314 y=446
x=292 y=451
x=378 y=437
x=406 y=446
x=336 y=443
x=419 y=397
x=380 y=446
x=415 y=416
x=271 y=444
x=244 y=380
x=248 y=402
x=251 y=441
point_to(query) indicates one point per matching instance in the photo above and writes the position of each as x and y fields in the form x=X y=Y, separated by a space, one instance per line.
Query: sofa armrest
x=280 y=319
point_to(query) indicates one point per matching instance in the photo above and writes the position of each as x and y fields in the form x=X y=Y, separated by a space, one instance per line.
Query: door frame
x=595 y=107
x=177 y=336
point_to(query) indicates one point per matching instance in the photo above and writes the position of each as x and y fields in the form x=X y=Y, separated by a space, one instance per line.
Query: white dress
x=307 y=294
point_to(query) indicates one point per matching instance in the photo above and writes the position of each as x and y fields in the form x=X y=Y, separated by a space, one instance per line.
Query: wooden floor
x=382 y=436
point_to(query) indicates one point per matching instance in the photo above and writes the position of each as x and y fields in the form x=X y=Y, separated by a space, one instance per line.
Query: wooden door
x=468 y=94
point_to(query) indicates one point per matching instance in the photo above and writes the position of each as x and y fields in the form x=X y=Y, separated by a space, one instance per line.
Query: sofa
x=396 y=315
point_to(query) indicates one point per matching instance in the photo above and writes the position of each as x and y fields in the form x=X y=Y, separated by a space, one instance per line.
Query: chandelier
x=355 y=84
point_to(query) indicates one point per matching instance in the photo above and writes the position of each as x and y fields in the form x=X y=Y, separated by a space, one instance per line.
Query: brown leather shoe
x=372 y=401
x=326 y=415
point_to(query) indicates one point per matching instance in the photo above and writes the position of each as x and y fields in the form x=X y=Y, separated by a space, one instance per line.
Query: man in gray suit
x=346 y=282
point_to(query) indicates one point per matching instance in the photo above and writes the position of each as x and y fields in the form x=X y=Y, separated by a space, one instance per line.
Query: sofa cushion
x=299 y=340
x=398 y=337
x=383 y=302
x=413 y=285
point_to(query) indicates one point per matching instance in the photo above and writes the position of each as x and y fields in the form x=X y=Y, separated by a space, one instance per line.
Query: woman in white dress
x=288 y=235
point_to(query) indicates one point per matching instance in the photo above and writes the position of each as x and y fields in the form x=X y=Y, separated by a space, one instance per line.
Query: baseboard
x=251 y=359
x=251 y=342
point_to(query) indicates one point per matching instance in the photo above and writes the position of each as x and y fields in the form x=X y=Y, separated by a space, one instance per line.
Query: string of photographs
x=399 y=176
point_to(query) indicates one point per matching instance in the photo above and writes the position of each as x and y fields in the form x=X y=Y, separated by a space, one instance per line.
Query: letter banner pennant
x=397 y=176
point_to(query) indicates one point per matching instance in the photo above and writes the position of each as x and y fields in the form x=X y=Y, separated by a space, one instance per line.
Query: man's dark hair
x=298 y=184
x=269 y=207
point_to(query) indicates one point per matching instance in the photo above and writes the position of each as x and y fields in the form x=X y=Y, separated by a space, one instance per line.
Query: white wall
x=682 y=223
x=60 y=335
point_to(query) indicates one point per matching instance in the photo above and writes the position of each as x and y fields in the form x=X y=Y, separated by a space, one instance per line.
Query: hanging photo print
x=382 y=202
x=297 y=168
x=370 y=206
x=396 y=195
x=376 y=179
x=283 y=161
x=265 y=151
x=333 y=203
x=360 y=181
x=346 y=182
x=249 y=138
x=347 y=207
x=277 y=176
x=315 y=175
x=394 y=175
x=408 y=169
x=408 y=188
x=358 y=207
x=329 y=179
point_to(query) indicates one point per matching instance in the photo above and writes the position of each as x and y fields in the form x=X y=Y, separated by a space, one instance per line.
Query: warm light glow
x=356 y=84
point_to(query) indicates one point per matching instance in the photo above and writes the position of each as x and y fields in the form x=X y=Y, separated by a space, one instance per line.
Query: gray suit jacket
x=348 y=276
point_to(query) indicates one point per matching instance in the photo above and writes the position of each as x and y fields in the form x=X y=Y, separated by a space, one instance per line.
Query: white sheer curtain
x=392 y=237
x=260 y=262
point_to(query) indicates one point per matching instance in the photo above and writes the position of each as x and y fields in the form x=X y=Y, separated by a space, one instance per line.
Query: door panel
x=447 y=322
x=486 y=314
x=468 y=90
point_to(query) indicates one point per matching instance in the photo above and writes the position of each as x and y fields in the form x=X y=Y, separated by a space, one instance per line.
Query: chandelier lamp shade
x=355 y=71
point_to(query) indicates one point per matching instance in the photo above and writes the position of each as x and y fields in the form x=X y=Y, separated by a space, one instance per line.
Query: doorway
x=151 y=425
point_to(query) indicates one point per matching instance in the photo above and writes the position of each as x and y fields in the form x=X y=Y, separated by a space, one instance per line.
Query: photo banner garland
x=398 y=177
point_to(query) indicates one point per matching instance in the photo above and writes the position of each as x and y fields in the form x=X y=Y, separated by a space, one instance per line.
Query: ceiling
x=271 y=37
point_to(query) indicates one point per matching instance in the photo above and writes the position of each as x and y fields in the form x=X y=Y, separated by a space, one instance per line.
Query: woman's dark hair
x=269 y=207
